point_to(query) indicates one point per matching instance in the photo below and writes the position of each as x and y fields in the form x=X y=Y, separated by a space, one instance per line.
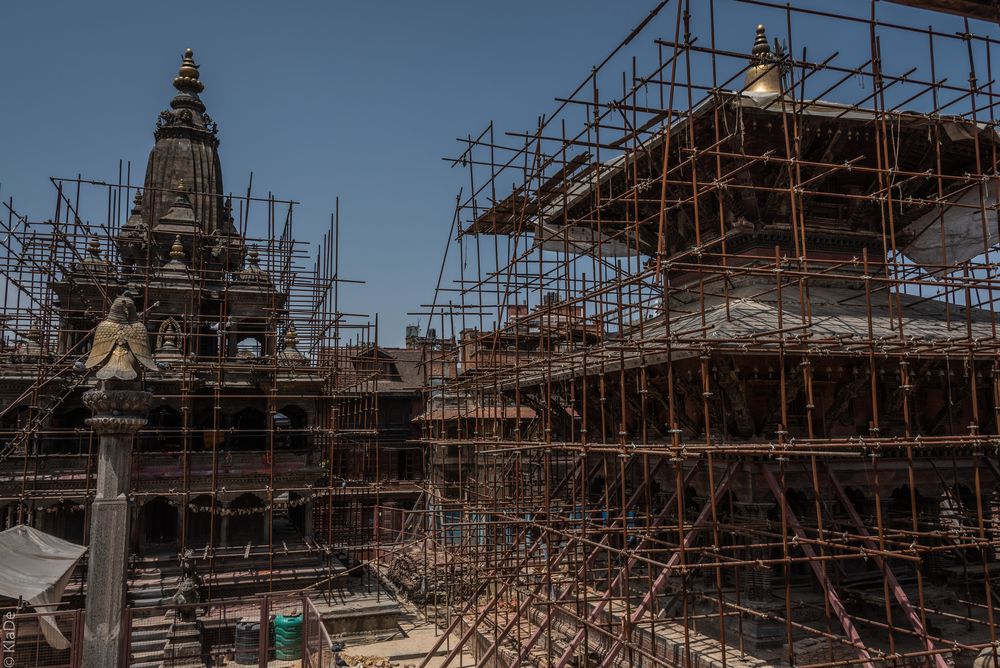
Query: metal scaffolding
x=723 y=381
x=308 y=448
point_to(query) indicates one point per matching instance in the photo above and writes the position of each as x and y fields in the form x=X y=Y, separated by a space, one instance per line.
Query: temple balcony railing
x=70 y=471
x=161 y=465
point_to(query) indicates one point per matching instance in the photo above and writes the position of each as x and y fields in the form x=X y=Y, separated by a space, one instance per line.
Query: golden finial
x=137 y=203
x=763 y=75
x=290 y=353
x=94 y=247
x=177 y=249
x=760 y=45
x=187 y=76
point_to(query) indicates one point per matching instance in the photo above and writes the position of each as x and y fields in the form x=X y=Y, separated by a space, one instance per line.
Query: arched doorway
x=162 y=432
x=63 y=520
x=297 y=509
x=294 y=431
x=249 y=431
x=207 y=432
x=249 y=348
x=73 y=436
x=199 y=521
x=247 y=520
x=158 y=523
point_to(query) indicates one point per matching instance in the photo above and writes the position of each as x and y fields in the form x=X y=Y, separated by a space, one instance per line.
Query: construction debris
x=353 y=661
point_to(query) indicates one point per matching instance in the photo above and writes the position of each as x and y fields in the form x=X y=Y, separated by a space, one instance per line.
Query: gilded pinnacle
x=187 y=76
x=177 y=249
x=760 y=45
x=763 y=75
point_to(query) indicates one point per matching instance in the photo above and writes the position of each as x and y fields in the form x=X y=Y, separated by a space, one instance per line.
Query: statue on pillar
x=119 y=341
x=119 y=405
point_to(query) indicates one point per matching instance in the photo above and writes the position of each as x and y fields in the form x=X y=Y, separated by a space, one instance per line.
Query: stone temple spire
x=186 y=149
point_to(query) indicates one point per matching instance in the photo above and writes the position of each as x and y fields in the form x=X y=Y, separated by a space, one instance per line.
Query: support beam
x=565 y=593
x=577 y=469
x=817 y=567
x=897 y=589
x=658 y=584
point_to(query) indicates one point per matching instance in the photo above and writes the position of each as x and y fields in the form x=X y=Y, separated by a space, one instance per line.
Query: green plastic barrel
x=288 y=637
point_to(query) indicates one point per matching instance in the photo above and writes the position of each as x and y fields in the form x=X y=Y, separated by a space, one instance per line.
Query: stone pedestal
x=119 y=409
x=106 y=582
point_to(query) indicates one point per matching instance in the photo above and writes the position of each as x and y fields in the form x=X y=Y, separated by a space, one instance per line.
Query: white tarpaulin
x=36 y=567
x=585 y=241
x=963 y=230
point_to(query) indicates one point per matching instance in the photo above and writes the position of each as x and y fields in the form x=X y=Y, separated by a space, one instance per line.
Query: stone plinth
x=119 y=409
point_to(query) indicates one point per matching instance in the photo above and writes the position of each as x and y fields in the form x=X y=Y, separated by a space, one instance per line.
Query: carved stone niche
x=168 y=342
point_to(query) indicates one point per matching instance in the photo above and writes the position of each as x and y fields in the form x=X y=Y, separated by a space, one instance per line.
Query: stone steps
x=167 y=643
x=193 y=662
x=233 y=576
x=147 y=644
x=182 y=653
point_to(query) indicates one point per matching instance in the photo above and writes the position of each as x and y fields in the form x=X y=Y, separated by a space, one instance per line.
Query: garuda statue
x=119 y=341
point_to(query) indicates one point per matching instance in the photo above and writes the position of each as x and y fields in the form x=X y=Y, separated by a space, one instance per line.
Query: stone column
x=181 y=528
x=307 y=519
x=134 y=539
x=119 y=409
x=223 y=530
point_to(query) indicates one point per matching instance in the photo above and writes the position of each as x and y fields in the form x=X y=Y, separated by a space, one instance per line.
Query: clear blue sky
x=356 y=99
